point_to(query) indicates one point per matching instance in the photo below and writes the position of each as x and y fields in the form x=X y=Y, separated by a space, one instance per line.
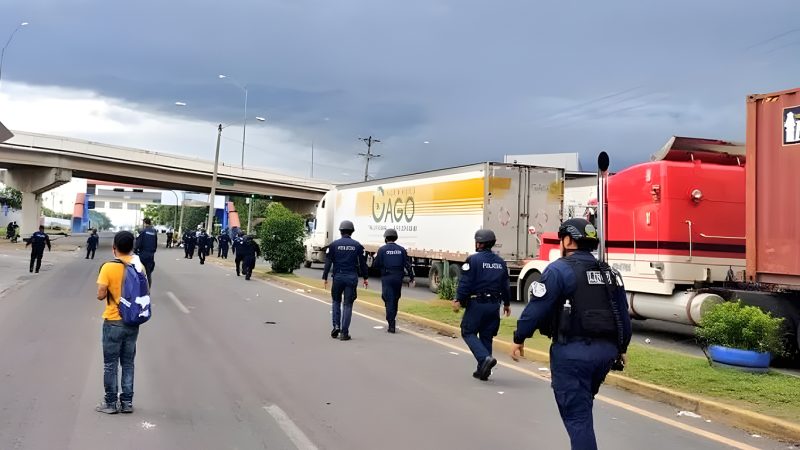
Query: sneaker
x=345 y=337
x=126 y=407
x=335 y=333
x=107 y=408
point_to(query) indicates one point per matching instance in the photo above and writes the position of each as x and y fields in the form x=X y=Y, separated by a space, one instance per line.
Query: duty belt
x=485 y=298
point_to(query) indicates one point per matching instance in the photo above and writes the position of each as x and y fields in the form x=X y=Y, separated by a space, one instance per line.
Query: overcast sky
x=475 y=79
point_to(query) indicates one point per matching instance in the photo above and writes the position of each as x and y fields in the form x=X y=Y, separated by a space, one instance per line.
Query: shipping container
x=773 y=188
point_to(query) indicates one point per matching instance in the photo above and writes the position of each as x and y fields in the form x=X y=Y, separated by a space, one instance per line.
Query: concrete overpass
x=37 y=163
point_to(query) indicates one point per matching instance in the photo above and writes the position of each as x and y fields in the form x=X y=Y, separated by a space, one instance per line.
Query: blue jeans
x=343 y=294
x=578 y=369
x=119 y=349
x=479 y=326
x=391 y=288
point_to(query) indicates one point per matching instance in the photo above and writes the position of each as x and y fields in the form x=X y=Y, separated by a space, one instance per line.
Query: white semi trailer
x=436 y=214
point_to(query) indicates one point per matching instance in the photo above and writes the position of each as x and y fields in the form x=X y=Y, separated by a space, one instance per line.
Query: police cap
x=483 y=236
x=346 y=225
x=391 y=233
x=578 y=229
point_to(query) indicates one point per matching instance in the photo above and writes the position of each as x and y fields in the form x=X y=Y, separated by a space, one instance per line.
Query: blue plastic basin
x=736 y=357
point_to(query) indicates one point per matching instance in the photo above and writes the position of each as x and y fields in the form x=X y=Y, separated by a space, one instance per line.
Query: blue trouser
x=149 y=262
x=119 y=349
x=479 y=326
x=391 y=287
x=343 y=294
x=578 y=369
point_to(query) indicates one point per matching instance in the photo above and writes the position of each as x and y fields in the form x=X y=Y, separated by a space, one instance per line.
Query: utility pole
x=209 y=224
x=250 y=202
x=369 y=155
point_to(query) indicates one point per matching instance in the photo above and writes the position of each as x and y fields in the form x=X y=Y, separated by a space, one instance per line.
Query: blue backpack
x=134 y=303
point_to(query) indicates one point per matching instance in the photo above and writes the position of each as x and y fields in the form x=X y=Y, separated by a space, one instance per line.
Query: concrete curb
x=721 y=412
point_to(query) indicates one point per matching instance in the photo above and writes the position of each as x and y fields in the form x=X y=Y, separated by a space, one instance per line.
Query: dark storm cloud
x=476 y=79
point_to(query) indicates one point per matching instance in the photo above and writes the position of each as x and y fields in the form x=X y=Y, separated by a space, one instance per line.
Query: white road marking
x=298 y=438
x=378 y=327
x=619 y=404
x=178 y=303
x=454 y=353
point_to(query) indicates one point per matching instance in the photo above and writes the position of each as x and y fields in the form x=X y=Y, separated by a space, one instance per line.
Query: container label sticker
x=791 y=125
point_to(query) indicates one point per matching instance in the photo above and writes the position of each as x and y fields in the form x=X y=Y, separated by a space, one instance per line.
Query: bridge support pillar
x=33 y=182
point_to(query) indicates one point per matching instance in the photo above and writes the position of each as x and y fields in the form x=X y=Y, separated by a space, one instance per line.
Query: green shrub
x=735 y=325
x=281 y=234
x=447 y=289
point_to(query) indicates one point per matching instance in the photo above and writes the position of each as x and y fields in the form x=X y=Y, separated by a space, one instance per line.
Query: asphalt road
x=230 y=364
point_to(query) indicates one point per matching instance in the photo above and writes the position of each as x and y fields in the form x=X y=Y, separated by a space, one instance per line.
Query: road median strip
x=737 y=416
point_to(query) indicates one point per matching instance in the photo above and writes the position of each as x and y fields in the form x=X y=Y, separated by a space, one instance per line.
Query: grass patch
x=773 y=394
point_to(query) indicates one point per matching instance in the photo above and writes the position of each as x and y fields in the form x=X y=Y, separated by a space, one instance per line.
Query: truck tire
x=307 y=264
x=455 y=272
x=534 y=275
x=435 y=276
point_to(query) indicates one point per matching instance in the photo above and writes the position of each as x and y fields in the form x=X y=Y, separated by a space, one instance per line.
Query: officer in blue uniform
x=580 y=303
x=202 y=244
x=38 y=241
x=237 y=246
x=347 y=257
x=249 y=251
x=146 y=246
x=482 y=287
x=392 y=260
x=91 y=244
x=224 y=243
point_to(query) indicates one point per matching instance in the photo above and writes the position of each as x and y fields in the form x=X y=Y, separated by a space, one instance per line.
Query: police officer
x=249 y=250
x=237 y=246
x=38 y=241
x=170 y=235
x=224 y=242
x=91 y=244
x=210 y=244
x=189 y=243
x=347 y=257
x=146 y=246
x=483 y=285
x=580 y=303
x=392 y=260
x=202 y=244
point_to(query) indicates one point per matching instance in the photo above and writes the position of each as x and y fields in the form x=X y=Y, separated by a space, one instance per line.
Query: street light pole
x=175 y=218
x=244 y=124
x=209 y=224
x=8 y=42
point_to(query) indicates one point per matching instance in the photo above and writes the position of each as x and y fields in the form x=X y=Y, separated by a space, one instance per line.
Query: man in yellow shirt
x=119 y=339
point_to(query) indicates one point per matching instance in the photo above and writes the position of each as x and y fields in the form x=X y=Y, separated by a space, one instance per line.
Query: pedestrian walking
x=170 y=235
x=211 y=240
x=38 y=241
x=392 y=262
x=121 y=278
x=580 y=304
x=224 y=243
x=189 y=242
x=146 y=246
x=237 y=246
x=91 y=244
x=250 y=251
x=345 y=257
x=202 y=244
x=482 y=287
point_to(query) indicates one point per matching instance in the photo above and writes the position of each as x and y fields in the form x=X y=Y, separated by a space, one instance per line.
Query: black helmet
x=483 y=236
x=578 y=229
x=391 y=233
x=346 y=225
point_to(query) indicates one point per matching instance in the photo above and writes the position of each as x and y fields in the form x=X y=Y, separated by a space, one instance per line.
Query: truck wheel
x=307 y=264
x=455 y=272
x=526 y=287
x=435 y=276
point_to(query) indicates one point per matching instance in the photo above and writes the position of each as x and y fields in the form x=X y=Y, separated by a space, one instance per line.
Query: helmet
x=346 y=225
x=485 y=235
x=578 y=229
x=390 y=233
